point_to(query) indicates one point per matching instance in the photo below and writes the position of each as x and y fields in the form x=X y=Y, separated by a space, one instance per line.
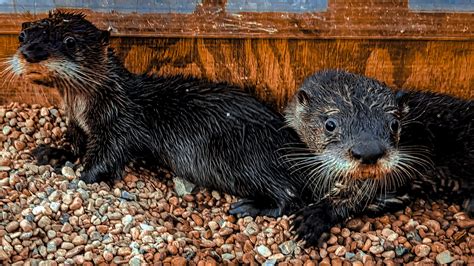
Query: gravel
x=52 y=218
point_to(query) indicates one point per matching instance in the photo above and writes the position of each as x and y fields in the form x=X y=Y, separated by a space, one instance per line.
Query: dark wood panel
x=276 y=67
x=374 y=19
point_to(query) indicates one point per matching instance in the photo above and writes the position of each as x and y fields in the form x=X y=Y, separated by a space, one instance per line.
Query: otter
x=212 y=134
x=373 y=149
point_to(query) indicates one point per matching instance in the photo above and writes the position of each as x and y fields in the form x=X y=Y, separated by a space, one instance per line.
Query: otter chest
x=77 y=110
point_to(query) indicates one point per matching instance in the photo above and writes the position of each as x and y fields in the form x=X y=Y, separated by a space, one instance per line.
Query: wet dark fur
x=211 y=134
x=435 y=134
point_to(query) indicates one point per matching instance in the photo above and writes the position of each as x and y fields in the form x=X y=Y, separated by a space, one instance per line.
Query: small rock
x=444 y=257
x=251 y=229
x=227 y=256
x=400 y=250
x=340 y=251
x=287 y=247
x=51 y=247
x=389 y=254
x=146 y=227
x=12 y=226
x=73 y=252
x=264 y=251
x=355 y=224
x=389 y=234
x=182 y=186
x=128 y=196
x=38 y=210
x=44 y=221
x=79 y=240
x=135 y=261
x=68 y=172
x=54 y=206
x=269 y=262
x=76 y=204
x=422 y=250
x=376 y=249
x=3 y=255
x=26 y=225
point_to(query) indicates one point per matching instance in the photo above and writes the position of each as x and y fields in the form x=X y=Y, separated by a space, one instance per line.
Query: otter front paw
x=468 y=207
x=312 y=224
x=52 y=156
x=98 y=174
x=249 y=207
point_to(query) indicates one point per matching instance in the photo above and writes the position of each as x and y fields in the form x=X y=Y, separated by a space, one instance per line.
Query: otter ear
x=25 y=25
x=302 y=97
x=104 y=37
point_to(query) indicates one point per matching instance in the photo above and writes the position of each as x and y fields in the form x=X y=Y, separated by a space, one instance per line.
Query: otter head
x=351 y=125
x=62 y=49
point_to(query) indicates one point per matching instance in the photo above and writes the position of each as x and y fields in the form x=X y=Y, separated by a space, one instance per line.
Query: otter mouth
x=38 y=75
x=364 y=172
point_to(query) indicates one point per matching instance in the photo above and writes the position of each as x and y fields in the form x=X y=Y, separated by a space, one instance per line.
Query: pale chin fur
x=17 y=66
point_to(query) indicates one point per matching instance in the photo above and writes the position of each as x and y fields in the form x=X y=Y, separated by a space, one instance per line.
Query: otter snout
x=368 y=152
x=34 y=53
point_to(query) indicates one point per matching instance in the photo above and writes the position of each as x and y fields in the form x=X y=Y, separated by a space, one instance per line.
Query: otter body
x=372 y=149
x=211 y=134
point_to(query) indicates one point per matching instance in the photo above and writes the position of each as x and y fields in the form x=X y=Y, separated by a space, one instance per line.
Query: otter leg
x=312 y=223
x=104 y=160
x=388 y=203
x=52 y=156
x=59 y=156
x=249 y=207
x=468 y=206
x=78 y=139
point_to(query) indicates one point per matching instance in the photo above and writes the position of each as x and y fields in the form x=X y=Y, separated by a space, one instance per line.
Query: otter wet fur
x=211 y=134
x=372 y=149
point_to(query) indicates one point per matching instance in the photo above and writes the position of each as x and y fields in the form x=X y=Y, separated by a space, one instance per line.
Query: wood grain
x=274 y=68
x=374 y=19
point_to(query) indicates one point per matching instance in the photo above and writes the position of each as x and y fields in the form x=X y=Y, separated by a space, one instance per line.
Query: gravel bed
x=49 y=218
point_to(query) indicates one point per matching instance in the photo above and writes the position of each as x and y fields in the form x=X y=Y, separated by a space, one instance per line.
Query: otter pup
x=373 y=149
x=211 y=134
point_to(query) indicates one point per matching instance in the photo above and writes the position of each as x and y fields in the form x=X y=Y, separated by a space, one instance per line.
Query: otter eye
x=22 y=36
x=394 y=126
x=70 y=42
x=330 y=124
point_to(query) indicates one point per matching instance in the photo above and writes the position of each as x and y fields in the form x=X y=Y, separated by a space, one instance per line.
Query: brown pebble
x=422 y=250
x=178 y=261
x=12 y=226
x=197 y=219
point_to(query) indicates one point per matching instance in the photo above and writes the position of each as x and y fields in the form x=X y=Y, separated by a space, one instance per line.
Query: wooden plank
x=276 y=67
x=352 y=19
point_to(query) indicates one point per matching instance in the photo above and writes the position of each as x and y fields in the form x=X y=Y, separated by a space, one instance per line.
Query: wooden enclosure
x=397 y=42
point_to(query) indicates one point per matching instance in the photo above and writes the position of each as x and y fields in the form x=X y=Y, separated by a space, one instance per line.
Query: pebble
x=287 y=247
x=376 y=249
x=444 y=257
x=26 y=225
x=12 y=226
x=182 y=186
x=49 y=218
x=264 y=251
x=38 y=210
x=68 y=172
x=422 y=250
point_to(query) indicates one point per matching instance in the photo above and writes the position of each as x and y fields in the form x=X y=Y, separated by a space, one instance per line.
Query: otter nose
x=34 y=53
x=368 y=152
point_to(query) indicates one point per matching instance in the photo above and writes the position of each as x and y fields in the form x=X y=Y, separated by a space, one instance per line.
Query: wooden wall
x=276 y=67
x=274 y=52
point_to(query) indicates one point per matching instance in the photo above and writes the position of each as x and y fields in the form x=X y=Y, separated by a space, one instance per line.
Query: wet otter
x=373 y=149
x=212 y=134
